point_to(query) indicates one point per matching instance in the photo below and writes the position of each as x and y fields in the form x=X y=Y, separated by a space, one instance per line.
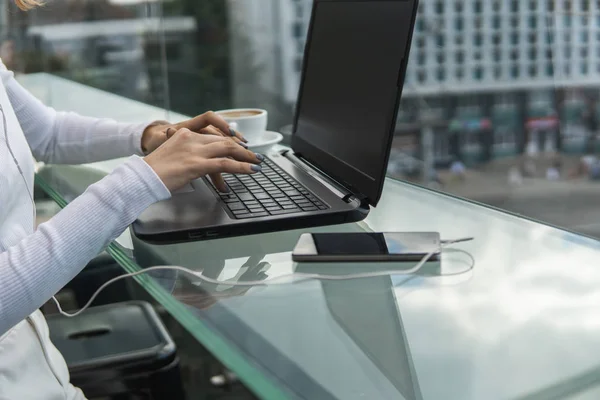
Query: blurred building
x=501 y=75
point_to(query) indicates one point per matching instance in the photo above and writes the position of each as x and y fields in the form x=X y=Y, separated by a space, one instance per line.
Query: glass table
x=523 y=323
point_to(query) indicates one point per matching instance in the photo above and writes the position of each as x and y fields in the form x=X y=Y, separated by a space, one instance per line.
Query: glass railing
x=501 y=102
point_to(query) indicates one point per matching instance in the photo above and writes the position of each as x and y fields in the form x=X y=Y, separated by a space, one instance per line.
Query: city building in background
x=490 y=78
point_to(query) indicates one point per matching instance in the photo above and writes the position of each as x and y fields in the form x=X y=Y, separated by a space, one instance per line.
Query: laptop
x=353 y=73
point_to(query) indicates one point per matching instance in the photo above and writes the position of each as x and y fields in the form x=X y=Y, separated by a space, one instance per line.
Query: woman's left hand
x=157 y=132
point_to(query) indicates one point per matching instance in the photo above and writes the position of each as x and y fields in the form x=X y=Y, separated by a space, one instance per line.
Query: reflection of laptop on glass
x=354 y=66
x=366 y=310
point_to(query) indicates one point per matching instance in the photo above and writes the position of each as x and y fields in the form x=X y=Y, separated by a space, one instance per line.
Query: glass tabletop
x=521 y=324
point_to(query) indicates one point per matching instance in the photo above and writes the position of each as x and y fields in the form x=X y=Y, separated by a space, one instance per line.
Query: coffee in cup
x=250 y=122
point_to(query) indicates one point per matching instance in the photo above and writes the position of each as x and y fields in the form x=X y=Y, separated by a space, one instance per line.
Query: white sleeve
x=68 y=138
x=36 y=268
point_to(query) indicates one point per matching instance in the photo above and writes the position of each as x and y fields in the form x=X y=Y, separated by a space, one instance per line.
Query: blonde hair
x=27 y=4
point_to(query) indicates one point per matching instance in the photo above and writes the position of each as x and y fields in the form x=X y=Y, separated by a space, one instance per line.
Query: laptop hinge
x=300 y=162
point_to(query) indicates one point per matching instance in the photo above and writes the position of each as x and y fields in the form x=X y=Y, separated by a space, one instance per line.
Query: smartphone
x=367 y=246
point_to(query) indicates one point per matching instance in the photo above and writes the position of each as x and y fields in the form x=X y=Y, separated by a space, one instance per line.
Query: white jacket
x=35 y=265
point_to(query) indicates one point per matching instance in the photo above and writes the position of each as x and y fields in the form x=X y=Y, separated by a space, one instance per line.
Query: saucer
x=265 y=142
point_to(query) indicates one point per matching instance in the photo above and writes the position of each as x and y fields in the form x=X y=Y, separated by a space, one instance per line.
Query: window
x=497 y=55
x=585 y=5
x=421 y=76
x=533 y=22
x=439 y=7
x=440 y=40
x=460 y=57
x=549 y=54
x=496 y=22
x=549 y=70
x=478 y=39
x=532 y=5
x=459 y=74
x=550 y=5
x=441 y=58
x=583 y=52
x=477 y=8
x=584 y=69
x=567 y=52
x=532 y=54
x=421 y=42
x=514 y=22
x=584 y=37
x=477 y=55
x=532 y=38
x=441 y=74
x=496 y=6
x=497 y=72
x=514 y=38
x=421 y=58
x=497 y=39
x=458 y=6
x=514 y=54
x=532 y=71
x=514 y=6
x=514 y=71
x=297 y=31
x=567 y=21
x=458 y=24
x=458 y=40
x=478 y=73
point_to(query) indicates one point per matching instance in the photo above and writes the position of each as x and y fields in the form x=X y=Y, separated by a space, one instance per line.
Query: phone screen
x=369 y=244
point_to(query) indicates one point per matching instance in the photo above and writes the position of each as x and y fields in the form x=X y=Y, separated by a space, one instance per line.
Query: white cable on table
x=272 y=281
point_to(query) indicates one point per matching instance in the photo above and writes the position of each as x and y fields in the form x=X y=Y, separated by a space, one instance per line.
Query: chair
x=119 y=349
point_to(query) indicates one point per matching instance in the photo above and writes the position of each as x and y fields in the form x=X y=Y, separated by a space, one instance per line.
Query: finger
x=219 y=183
x=230 y=149
x=227 y=165
x=211 y=130
x=210 y=118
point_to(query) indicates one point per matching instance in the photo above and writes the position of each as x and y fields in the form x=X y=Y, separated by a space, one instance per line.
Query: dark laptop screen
x=353 y=73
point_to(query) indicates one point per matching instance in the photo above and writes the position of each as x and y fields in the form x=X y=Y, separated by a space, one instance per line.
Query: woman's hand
x=186 y=156
x=208 y=123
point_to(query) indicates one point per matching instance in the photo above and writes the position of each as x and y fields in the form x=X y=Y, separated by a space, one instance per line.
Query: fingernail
x=244 y=140
x=260 y=157
x=231 y=132
x=256 y=168
x=226 y=190
x=244 y=145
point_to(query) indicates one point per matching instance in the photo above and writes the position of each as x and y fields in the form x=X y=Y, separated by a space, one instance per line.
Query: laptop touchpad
x=186 y=189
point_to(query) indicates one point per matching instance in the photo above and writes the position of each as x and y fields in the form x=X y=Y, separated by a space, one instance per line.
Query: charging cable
x=278 y=280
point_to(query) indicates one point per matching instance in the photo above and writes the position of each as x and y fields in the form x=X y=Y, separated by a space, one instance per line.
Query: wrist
x=147 y=136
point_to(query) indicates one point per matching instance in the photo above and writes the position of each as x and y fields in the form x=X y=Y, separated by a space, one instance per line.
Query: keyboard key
x=273 y=208
x=302 y=202
x=252 y=215
x=256 y=209
x=322 y=207
x=236 y=206
x=231 y=200
x=245 y=196
x=297 y=197
x=309 y=208
x=280 y=212
x=240 y=212
x=262 y=195
x=251 y=203
x=289 y=206
x=279 y=195
x=291 y=193
x=284 y=201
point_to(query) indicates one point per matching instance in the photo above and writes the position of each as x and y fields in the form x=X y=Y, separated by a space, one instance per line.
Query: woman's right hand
x=186 y=156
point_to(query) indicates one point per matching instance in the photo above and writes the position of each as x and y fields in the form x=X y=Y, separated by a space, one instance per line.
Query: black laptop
x=354 y=66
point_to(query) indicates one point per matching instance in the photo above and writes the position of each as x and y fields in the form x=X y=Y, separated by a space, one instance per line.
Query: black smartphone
x=367 y=246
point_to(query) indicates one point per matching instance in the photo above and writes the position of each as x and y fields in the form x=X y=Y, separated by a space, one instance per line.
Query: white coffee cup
x=250 y=122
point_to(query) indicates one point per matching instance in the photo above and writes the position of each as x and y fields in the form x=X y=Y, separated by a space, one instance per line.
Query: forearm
x=68 y=138
x=41 y=264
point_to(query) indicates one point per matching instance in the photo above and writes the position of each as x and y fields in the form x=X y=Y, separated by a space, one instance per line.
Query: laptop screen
x=354 y=66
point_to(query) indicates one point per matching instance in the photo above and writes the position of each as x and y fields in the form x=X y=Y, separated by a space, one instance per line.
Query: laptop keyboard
x=270 y=192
